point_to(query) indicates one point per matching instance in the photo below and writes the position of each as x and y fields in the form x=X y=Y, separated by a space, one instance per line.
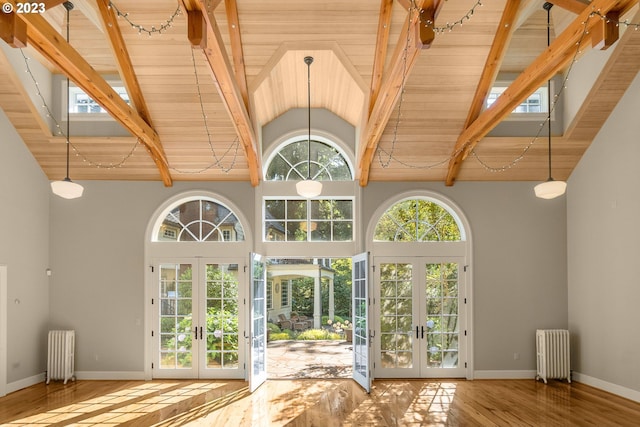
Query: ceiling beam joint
x=13 y=30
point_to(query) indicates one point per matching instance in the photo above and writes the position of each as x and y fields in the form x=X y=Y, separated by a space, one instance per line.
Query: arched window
x=417 y=220
x=200 y=220
x=291 y=163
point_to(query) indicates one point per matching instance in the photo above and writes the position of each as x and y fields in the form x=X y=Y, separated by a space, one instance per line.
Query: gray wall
x=24 y=249
x=98 y=263
x=519 y=265
x=603 y=209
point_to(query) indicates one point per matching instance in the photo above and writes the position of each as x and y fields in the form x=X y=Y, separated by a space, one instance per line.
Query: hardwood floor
x=316 y=403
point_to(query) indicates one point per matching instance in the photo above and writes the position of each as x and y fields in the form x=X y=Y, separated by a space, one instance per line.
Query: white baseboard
x=110 y=375
x=504 y=375
x=619 y=390
x=25 y=382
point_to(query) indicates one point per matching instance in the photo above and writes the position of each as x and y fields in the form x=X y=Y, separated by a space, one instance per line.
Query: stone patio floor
x=289 y=359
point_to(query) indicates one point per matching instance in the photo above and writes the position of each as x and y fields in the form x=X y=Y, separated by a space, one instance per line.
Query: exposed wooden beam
x=196 y=28
x=428 y=14
x=607 y=32
x=123 y=60
x=223 y=76
x=426 y=33
x=501 y=40
x=407 y=49
x=380 y=55
x=575 y=6
x=13 y=30
x=561 y=51
x=50 y=44
x=236 y=49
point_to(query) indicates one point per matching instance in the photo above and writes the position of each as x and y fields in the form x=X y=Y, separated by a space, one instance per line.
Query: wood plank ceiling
x=202 y=88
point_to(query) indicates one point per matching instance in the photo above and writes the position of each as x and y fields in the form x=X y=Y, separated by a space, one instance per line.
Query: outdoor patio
x=289 y=359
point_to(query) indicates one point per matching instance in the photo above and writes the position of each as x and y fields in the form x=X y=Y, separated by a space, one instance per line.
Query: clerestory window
x=291 y=163
x=290 y=220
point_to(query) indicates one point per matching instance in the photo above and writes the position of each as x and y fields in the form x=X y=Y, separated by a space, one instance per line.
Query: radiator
x=60 y=359
x=553 y=357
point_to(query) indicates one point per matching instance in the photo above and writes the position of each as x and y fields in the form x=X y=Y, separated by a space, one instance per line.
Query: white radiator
x=553 y=357
x=60 y=359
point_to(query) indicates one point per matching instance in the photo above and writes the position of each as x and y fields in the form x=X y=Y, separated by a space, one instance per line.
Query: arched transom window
x=417 y=220
x=201 y=220
x=291 y=163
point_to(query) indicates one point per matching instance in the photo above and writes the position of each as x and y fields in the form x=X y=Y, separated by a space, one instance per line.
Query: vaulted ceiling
x=202 y=87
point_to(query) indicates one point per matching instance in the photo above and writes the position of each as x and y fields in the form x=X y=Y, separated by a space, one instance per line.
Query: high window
x=291 y=163
x=289 y=220
x=287 y=217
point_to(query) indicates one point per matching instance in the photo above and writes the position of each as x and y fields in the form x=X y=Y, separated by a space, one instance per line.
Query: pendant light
x=66 y=188
x=309 y=188
x=550 y=189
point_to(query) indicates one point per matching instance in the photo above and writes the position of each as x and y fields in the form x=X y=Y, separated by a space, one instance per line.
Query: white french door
x=420 y=308
x=258 y=323
x=360 y=306
x=197 y=328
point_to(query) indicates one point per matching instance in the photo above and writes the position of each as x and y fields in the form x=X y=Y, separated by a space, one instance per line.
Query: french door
x=421 y=317
x=197 y=329
x=258 y=323
x=360 y=306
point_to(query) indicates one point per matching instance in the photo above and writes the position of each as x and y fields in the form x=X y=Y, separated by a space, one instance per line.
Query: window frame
x=307 y=220
x=276 y=149
x=74 y=90
x=525 y=116
x=285 y=294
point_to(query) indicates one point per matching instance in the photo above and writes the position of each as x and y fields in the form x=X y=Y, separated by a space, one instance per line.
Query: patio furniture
x=302 y=318
x=292 y=323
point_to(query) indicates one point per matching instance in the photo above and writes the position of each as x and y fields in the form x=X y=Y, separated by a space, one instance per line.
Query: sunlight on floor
x=279 y=402
x=120 y=406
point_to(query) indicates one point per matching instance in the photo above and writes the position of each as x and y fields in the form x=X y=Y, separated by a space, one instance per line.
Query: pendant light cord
x=308 y=60
x=548 y=6
x=68 y=5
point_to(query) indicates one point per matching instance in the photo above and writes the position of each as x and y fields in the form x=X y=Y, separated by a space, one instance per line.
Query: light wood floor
x=316 y=403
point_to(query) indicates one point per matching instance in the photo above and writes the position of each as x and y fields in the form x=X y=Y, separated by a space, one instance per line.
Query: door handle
x=417 y=331
x=195 y=332
x=422 y=329
x=200 y=332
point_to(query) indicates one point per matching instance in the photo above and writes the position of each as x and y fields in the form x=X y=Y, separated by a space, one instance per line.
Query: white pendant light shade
x=550 y=189
x=67 y=189
x=309 y=188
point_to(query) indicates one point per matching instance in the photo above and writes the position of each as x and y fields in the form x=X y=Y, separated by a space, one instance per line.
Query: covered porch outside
x=282 y=275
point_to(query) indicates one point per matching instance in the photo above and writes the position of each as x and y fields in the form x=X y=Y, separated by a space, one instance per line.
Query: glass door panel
x=257 y=334
x=221 y=317
x=442 y=311
x=396 y=319
x=360 y=304
x=175 y=318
